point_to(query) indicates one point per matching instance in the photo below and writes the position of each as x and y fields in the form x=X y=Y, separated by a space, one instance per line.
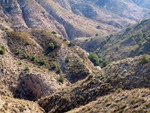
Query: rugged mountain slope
x=130 y=42
x=34 y=63
x=126 y=74
x=49 y=15
x=122 y=101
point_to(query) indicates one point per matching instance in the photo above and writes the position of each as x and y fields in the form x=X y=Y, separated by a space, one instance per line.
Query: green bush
x=94 y=58
x=2 y=51
x=27 y=68
x=27 y=43
x=71 y=44
x=33 y=58
x=54 y=32
x=59 y=70
x=20 y=63
x=18 y=52
x=51 y=46
x=24 y=55
x=105 y=63
x=145 y=59
x=42 y=62
x=65 y=39
x=54 y=65
x=117 y=48
x=61 y=78
x=3 y=29
x=67 y=59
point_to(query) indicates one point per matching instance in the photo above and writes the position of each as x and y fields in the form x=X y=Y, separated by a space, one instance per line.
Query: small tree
x=94 y=58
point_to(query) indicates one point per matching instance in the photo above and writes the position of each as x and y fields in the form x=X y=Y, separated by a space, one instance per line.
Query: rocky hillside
x=72 y=18
x=37 y=63
x=11 y=105
x=122 y=101
x=49 y=15
x=122 y=75
x=130 y=42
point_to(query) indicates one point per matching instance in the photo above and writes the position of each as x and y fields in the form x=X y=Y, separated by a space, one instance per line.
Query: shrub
x=3 y=29
x=96 y=34
x=33 y=58
x=117 y=48
x=71 y=44
x=65 y=39
x=18 y=52
x=27 y=68
x=42 y=61
x=59 y=70
x=24 y=55
x=54 y=65
x=54 y=32
x=67 y=59
x=20 y=63
x=105 y=63
x=94 y=58
x=61 y=78
x=145 y=59
x=3 y=47
x=140 y=43
x=51 y=46
x=27 y=43
x=2 y=51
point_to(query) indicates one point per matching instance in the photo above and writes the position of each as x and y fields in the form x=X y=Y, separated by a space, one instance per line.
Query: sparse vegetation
x=145 y=59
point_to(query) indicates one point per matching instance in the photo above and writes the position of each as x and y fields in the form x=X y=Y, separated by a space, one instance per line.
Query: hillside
x=122 y=75
x=130 y=42
x=38 y=63
x=123 y=101
x=74 y=56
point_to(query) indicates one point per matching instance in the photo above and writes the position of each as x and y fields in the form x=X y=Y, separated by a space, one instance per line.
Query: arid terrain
x=74 y=56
